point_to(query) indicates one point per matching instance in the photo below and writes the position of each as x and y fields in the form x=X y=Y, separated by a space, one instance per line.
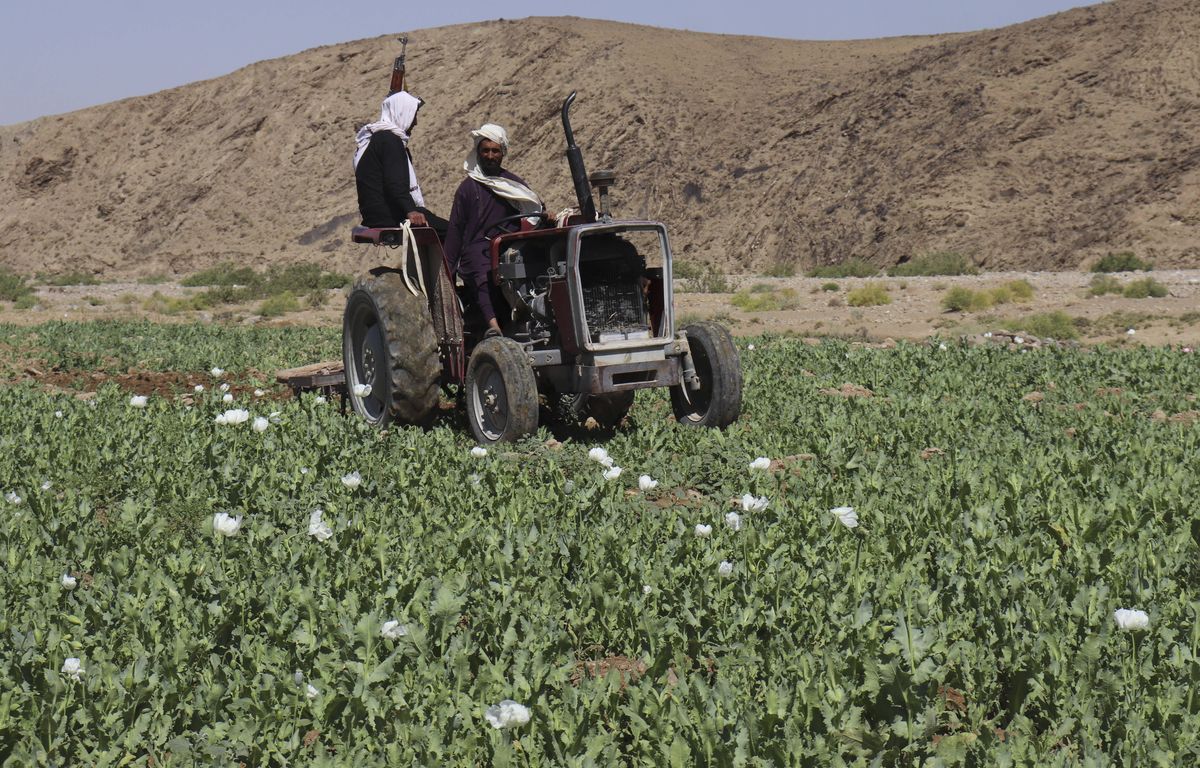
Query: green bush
x=765 y=301
x=1147 y=287
x=69 y=278
x=13 y=286
x=960 y=299
x=686 y=270
x=931 y=264
x=1103 y=284
x=781 y=269
x=1125 y=261
x=25 y=301
x=827 y=287
x=279 y=304
x=707 y=280
x=1049 y=325
x=848 y=268
x=235 y=285
x=870 y=295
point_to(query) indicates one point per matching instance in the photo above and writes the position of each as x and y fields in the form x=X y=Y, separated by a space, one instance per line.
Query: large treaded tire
x=718 y=402
x=388 y=342
x=501 y=392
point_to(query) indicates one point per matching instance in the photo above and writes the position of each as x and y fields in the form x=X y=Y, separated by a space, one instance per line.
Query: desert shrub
x=707 y=280
x=1125 y=261
x=1147 y=287
x=173 y=305
x=279 y=304
x=222 y=274
x=1049 y=325
x=95 y=301
x=25 y=301
x=830 y=287
x=155 y=279
x=781 y=269
x=235 y=285
x=69 y=278
x=960 y=299
x=930 y=264
x=1020 y=290
x=1103 y=284
x=13 y=286
x=848 y=268
x=316 y=299
x=765 y=301
x=870 y=295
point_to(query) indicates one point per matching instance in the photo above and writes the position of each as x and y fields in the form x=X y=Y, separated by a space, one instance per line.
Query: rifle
x=398 y=68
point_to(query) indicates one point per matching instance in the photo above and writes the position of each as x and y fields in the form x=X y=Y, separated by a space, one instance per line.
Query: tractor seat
x=392 y=235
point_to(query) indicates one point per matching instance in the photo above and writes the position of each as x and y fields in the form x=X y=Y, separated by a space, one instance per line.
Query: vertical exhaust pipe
x=583 y=190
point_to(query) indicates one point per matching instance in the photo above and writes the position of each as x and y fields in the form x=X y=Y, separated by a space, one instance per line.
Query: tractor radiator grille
x=613 y=307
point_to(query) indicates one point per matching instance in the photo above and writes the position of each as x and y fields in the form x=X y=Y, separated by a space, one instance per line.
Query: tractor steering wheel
x=491 y=231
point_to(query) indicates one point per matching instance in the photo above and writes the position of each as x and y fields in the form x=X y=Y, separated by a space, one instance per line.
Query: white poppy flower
x=224 y=387
x=234 y=416
x=600 y=456
x=762 y=462
x=217 y=372
x=507 y=714
x=46 y=485
x=1019 y=340
x=226 y=525
x=304 y=470
x=362 y=390
x=227 y=398
x=703 y=531
x=733 y=520
x=198 y=388
x=73 y=667
x=138 y=401
x=311 y=692
x=752 y=503
x=1130 y=332
x=352 y=480
x=318 y=528
x=273 y=417
x=393 y=630
x=479 y=451
x=942 y=347
x=846 y=516
x=750 y=347
x=647 y=483
x=725 y=568
x=1130 y=620
x=260 y=424
x=319 y=400
x=474 y=478
x=12 y=498
x=58 y=414
x=68 y=581
x=647 y=589
x=987 y=335
x=569 y=486
x=612 y=473
x=259 y=393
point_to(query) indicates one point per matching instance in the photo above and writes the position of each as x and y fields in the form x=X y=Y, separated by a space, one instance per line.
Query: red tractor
x=589 y=322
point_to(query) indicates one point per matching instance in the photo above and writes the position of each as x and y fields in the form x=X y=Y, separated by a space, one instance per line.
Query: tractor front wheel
x=718 y=401
x=390 y=352
x=502 y=396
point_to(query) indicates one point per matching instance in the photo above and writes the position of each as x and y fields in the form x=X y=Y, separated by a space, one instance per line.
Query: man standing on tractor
x=488 y=194
x=388 y=191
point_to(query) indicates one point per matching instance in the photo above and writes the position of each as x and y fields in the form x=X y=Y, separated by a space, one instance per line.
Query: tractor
x=589 y=321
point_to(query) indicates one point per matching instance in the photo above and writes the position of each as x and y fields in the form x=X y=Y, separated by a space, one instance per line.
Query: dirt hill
x=1041 y=145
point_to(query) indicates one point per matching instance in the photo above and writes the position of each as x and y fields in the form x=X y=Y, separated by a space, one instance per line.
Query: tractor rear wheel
x=718 y=401
x=502 y=396
x=388 y=345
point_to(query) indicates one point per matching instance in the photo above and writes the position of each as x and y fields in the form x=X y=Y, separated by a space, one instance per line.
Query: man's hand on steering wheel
x=491 y=232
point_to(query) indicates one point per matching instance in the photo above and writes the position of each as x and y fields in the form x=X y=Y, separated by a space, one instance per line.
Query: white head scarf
x=397 y=115
x=522 y=197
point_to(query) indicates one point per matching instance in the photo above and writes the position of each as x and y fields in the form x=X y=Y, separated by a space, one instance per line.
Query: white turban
x=524 y=199
x=398 y=113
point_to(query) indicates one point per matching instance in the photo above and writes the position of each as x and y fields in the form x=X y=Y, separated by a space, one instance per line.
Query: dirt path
x=915 y=310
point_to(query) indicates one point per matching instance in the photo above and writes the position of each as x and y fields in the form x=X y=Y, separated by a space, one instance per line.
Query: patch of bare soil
x=915 y=311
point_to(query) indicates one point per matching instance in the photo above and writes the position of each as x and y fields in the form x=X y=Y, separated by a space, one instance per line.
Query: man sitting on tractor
x=488 y=194
x=388 y=191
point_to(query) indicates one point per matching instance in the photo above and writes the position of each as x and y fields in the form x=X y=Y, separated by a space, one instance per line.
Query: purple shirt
x=468 y=252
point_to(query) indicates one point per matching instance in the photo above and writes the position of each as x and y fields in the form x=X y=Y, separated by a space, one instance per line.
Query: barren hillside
x=1036 y=146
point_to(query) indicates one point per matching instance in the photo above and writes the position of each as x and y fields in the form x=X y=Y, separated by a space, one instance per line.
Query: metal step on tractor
x=589 y=321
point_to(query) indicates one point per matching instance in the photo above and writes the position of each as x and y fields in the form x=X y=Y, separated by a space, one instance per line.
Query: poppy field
x=919 y=555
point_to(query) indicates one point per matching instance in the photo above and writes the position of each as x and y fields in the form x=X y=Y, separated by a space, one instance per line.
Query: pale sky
x=65 y=55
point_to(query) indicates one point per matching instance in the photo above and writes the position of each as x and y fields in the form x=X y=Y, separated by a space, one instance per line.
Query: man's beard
x=491 y=169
